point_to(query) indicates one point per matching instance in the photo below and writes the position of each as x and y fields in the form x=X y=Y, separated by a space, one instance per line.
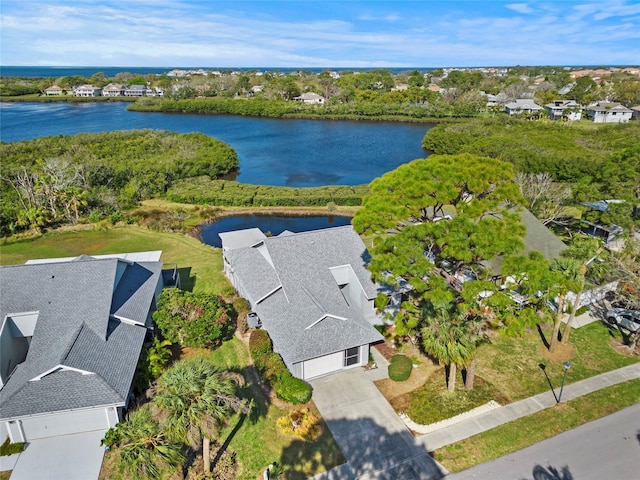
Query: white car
x=626 y=319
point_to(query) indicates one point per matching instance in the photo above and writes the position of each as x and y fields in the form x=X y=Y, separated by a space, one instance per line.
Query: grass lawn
x=508 y=369
x=200 y=265
x=534 y=428
x=512 y=365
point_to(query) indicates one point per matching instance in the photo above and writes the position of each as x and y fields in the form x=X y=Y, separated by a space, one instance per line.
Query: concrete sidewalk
x=513 y=411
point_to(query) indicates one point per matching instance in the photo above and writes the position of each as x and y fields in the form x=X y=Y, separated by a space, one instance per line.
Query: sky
x=318 y=34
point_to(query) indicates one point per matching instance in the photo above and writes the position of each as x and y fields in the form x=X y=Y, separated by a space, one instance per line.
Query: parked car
x=626 y=319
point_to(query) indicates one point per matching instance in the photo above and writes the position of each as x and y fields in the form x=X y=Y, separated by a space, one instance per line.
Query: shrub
x=193 y=319
x=241 y=305
x=292 y=389
x=10 y=448
x=274 y=367
x=301 y=423
x=259 y=345
x=400 y=368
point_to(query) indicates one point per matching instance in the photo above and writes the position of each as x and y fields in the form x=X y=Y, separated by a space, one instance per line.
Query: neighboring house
x=568 y=109
x=71 y=335
x=54 y=90
x=636 y=112
x=522 y=105
x=135 y=91
x=88 y=91
x=310 y=98
x=312 y=292
x=606 y=112
x=113 y=90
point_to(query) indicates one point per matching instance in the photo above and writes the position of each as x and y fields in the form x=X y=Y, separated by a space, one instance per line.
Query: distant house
x=54 y=90
x=310 y=98
x=607 y=112
x=87 y=91
x=113 y=90
x=522 y=105
x=71 y=335
x=312 y=293
x=135 y=91
x=636 y=112
x=568 y=109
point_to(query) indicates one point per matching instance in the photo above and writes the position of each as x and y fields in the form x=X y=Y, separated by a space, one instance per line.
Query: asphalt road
x=605 y=449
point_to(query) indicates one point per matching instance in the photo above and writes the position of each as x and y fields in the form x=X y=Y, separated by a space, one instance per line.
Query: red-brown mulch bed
x=386 y=350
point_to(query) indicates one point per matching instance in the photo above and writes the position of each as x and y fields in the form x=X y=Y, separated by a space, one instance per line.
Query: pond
x=273 y=224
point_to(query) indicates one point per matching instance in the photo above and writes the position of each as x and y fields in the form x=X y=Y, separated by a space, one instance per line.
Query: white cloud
x=520 y=8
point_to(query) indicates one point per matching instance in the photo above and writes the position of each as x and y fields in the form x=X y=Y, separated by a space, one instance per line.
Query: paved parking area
x=67 y=457
x=372 y=437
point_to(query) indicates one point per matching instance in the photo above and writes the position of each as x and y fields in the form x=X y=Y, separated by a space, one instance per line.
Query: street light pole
x=567 y=366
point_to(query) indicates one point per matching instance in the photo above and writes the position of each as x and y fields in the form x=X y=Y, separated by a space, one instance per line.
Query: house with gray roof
x=522 y=105
x=71 y=335
x=312 y=292
x=609 y=112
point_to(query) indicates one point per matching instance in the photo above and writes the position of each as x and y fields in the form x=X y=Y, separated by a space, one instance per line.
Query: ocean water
x=32 y=71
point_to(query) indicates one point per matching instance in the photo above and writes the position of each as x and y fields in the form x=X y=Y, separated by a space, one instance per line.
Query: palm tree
x=198 y=399
x=569 y=277
x=143 y=447
x=448 y=338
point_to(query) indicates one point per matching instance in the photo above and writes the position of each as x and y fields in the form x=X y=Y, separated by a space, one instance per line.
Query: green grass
x=513 y=364
x=539 y=426
x=200 y=265
x=433 y=402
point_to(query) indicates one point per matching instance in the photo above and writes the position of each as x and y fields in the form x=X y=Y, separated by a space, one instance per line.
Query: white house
x=71 y=335
x=135 y=91
x=522 y=105
x=312 y=292
x=113 y=90
x=87 y=91
x=310 y=98
x=568 y=109
x=54 y=90
x=606 y=112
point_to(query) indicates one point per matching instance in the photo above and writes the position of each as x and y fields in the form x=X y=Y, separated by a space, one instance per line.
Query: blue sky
x=320 y=34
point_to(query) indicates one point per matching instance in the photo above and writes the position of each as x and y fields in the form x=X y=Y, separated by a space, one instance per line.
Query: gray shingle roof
x=309 y=316
x=74 y=302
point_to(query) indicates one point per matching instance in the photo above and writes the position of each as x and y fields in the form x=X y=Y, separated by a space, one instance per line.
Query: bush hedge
x=292 y=389
x=205 y=191
x=400 y=368
x=273 y=370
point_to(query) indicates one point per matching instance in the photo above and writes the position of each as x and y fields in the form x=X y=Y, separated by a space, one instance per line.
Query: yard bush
x=292 y=389
x=259 y=345
x=193 y=319
x=400 y=368
x=301 y=423
x=273 y=370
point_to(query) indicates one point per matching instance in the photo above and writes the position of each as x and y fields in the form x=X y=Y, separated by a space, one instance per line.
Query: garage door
x=322 y=365
x=65 y=423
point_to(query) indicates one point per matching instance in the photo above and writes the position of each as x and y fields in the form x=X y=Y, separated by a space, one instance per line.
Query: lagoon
x=269 y=224
x=296 y=153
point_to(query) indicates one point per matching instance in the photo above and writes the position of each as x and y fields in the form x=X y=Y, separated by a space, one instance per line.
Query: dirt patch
x=622 y=348
x=562 y=352
x=392 y=390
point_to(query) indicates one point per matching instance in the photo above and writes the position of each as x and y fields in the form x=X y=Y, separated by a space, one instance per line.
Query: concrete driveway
x=67 y=457
x=372 y=437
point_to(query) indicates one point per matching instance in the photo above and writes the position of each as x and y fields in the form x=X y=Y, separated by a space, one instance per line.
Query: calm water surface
x=267 y=223
x=298 y=153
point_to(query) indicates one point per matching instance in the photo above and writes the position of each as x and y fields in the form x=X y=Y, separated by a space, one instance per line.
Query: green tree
x=441 y=218
x=143 y=447
x=193 y=319
x=198 y=398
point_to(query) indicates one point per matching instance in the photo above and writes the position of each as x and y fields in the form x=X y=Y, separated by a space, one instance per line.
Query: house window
x=351 y=356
